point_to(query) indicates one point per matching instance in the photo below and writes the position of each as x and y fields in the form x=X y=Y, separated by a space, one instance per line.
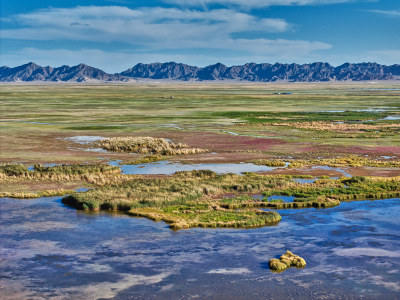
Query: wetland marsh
x=283 y=166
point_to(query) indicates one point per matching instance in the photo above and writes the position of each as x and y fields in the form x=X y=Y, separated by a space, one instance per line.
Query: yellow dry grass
x=139 y=144
x=338 y=127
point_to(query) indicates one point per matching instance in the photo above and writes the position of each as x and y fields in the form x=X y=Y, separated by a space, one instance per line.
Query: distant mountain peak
x=266 y=72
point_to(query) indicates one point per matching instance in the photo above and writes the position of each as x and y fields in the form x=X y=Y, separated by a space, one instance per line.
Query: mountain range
x=313 y=72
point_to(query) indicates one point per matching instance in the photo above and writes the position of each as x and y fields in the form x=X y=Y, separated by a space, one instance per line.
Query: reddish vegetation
x=395 y=150
x=354 y=171
x=380 y=172
x=312 y=172
x=225 y=142
x=223 y=148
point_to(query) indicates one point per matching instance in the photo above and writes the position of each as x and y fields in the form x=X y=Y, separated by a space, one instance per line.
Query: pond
x=50 y=251
x=167 y=167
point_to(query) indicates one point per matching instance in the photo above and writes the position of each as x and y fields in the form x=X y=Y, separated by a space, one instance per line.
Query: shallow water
x=302 y=180
x=52 y=251
x=392 y=118
x=286 y=199
x=167 y=167
x=344 y=172
x=84 y=139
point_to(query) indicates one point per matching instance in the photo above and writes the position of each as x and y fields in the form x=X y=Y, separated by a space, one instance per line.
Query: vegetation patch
x=257 y=117
x=196 y=198
x=269 y=162
x=337 y=162
x=76 y=169
x=346 y=161
x=146 y=145
x=287 y=260
x=213 y=217
x=145 y=160
x=13 y=170
x=46 y=193
x=366 y=129
x=13 y=176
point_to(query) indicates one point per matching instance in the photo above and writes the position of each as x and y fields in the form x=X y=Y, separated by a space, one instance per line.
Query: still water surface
x=167 y=167
x=49 y=251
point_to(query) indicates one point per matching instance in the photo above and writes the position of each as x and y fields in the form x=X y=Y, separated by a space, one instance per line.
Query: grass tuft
x=146 y=145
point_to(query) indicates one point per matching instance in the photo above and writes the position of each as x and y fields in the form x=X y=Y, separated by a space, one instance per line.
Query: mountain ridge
x=264 y=72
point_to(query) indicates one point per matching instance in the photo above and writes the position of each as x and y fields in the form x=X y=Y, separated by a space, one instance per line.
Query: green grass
x=291 y=117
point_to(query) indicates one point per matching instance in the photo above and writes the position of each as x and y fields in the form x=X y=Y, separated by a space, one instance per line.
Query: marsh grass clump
x=28 y=195
x=345 y=161
x=328 y=193
x=196 y=173
x=145 y=160
x=287 y=260
x=42 y=180
x=184 y=200
x=146 y=145
x=212 y=217
x=13 y=169
x=269 y=162
x=203 y=198
x=342 y=127
x=76 y=169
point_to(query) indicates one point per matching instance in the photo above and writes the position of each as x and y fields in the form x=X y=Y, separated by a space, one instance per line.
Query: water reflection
x=167 y=167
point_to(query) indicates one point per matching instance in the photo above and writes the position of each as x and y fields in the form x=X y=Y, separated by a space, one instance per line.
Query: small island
x=287 y=260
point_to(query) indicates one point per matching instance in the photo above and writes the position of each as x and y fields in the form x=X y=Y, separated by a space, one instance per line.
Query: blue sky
x=116 y=34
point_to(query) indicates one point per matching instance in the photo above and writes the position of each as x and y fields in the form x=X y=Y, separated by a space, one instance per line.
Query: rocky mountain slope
x=33 y=72
x=313 y=72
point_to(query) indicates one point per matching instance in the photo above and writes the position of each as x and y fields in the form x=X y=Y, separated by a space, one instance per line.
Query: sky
x=115 y=35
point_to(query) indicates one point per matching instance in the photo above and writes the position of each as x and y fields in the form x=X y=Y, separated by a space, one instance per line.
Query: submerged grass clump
x=287 y=260
x=146 y=145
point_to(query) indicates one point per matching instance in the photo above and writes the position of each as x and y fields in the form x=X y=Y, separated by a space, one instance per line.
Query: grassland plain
x=248 y=120
x=354 y=126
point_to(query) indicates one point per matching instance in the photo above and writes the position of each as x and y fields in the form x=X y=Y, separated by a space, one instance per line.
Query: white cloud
x=390 y=13
x=159 y=34
x=255 y=3
x=151 y=26
x=117 y=61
